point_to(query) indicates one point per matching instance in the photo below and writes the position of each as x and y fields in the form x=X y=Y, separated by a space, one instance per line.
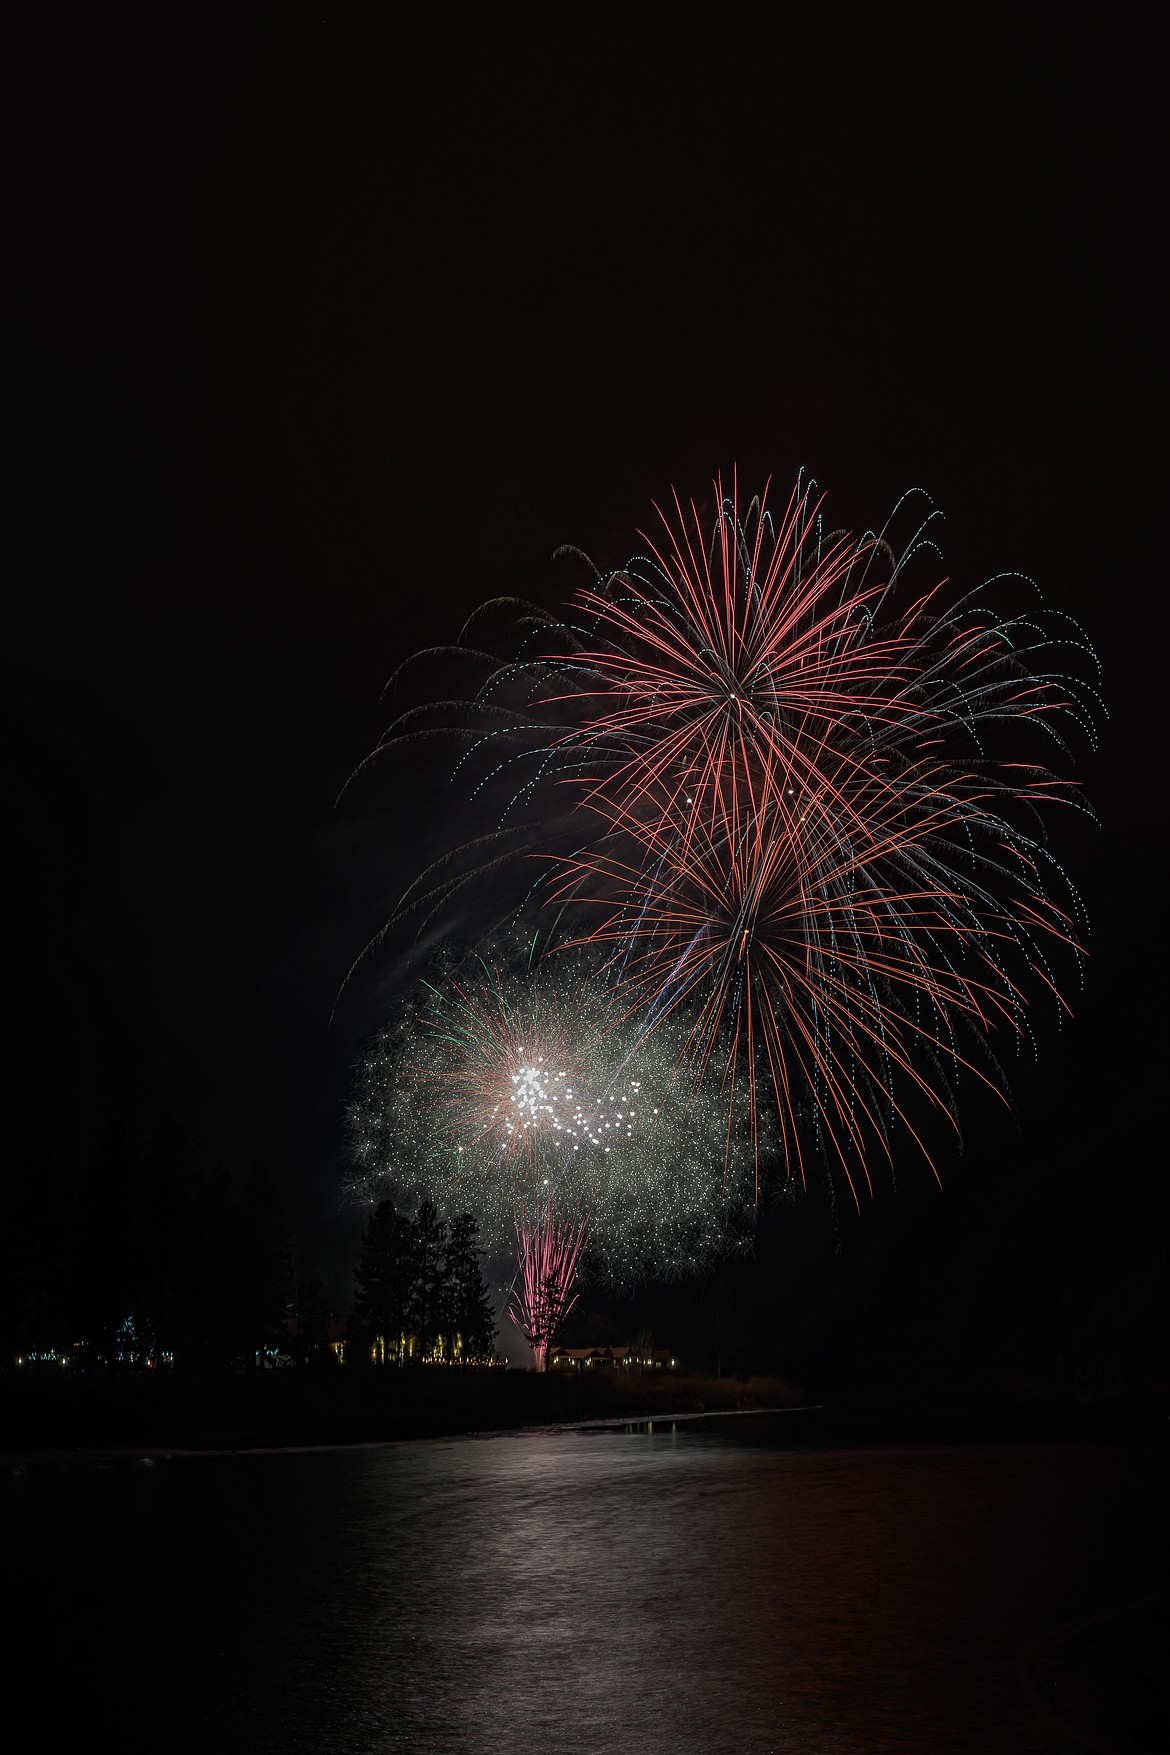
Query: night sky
x=325 y=326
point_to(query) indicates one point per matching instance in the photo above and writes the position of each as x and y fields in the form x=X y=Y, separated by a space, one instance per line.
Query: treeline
x=420 y=1291
x=139 y=1256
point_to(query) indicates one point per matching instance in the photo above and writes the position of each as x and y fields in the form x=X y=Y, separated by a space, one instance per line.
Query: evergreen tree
x=308 y=1320
x=385 y=1273
x=430 y=1277
x=470 y=1320
x=263 y=1265
x=103 y=1290
x=36 y=1271
x=170 y=1174
x=208 y=1322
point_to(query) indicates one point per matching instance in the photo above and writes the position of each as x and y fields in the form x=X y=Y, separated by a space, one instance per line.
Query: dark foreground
x=715 y=1586
x=290 y=1409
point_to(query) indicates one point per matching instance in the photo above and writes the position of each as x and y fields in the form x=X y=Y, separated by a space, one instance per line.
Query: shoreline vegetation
x=297 y=1409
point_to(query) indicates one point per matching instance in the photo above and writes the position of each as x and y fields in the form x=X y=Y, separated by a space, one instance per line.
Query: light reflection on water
x=683 y=1590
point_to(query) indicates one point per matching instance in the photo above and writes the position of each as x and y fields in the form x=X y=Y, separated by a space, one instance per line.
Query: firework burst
x=814 y=838
x=770 y=643
x=504 y=1089
x=794 y=805
x=547 y=1251
x=808 y=973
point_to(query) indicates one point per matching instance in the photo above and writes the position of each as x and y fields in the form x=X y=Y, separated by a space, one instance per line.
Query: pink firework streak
x=548 y=1252
x=812 y=965
x=811 y=845
x=787 y=797
x=757 y=643
x=761 y=650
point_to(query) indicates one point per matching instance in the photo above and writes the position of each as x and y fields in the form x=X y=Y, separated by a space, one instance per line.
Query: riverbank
x=291 y=1409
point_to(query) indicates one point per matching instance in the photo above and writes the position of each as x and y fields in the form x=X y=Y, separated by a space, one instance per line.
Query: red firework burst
x=818 y=966
x=812 y=839
x=770 y=644
x=796 y=791
x=548 y=1250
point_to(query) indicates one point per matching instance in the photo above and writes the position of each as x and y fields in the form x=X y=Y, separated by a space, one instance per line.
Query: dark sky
x=325 y=326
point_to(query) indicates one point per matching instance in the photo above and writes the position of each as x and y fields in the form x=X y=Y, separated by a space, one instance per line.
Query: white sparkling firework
x=501 y=1090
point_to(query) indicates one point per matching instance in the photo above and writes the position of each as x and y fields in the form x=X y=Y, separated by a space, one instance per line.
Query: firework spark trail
x=805 y=833
x=548 y=1252
x=807 y=962
x=777 y=654
x=762 y=646
x=695 y=671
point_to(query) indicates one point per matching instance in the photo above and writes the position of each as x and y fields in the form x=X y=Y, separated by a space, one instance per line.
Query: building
x=609 y=1359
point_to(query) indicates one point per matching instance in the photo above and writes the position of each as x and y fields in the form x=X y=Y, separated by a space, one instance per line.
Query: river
x=687 y=1588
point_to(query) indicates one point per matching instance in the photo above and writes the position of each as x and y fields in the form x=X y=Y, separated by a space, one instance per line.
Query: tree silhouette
x=308 y=1320
x=385 y=1273
x=470 y=1320
x=430 y=1276
x=263 y=1265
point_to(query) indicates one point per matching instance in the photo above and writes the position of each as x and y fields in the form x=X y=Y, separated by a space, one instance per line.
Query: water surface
x=694 y=1589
